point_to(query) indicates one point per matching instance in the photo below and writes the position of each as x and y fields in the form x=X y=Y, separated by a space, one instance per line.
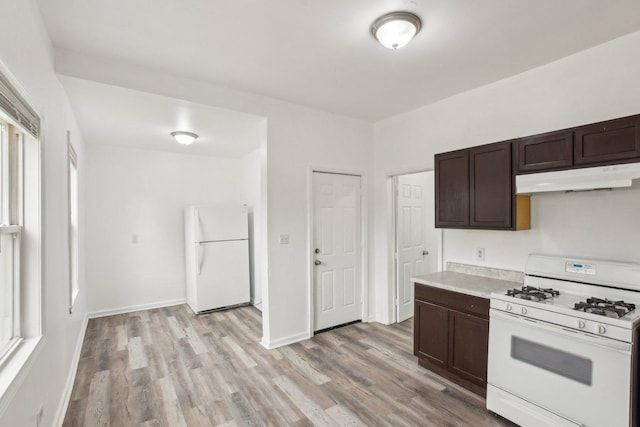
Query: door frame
x=364 y=241
x=392 y=237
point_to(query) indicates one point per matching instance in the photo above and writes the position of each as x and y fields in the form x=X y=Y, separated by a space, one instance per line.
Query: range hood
x=614 y=176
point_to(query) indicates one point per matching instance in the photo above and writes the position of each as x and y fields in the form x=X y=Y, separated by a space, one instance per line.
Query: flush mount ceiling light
x=394 y=30
x=184 y=138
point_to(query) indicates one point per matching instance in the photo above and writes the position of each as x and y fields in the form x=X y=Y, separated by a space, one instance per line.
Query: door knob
x=425 y=253
x=317 y=251
x=317 y=262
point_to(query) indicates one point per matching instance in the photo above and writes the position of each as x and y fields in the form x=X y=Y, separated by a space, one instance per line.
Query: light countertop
x=466 y=283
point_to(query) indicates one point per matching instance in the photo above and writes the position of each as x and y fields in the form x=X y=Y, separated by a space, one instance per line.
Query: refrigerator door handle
x=198 y=228
x=198 y=262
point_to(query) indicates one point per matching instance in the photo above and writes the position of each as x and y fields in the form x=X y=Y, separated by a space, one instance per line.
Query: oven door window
x=557 y=361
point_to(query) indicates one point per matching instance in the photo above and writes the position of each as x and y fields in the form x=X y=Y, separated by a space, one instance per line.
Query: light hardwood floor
x=169 y=367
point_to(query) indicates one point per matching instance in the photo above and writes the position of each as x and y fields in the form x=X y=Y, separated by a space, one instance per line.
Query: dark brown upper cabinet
x=606 y=142
x=452 y=189
x=598 y=144
x=545 y=152
x=490 y=186
x=475 y=189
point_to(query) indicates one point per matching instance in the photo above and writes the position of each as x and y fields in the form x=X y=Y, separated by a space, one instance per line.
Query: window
x=73 y=223
x=10 y=236
x=20 y=232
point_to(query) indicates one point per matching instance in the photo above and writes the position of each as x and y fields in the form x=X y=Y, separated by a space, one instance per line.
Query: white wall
x=297 y=137
x=141 y=194
x=598 y=84
x=26 y=51
x=253 y=185
x=597 y=224
x=297 y=140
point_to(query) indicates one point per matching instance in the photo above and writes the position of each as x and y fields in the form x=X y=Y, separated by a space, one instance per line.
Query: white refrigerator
x=217 y=256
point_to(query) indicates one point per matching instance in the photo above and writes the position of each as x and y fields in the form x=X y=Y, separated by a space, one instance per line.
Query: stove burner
x=604 y=307
x=533 y=294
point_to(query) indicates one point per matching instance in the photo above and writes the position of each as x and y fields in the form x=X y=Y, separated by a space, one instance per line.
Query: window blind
x=15 y=107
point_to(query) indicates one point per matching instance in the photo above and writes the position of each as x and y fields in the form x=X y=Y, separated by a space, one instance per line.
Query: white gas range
x=563 y=349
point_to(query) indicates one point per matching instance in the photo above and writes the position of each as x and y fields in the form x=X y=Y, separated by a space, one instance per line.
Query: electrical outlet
x=479 y=254
x=39 y=415
x=284 y=239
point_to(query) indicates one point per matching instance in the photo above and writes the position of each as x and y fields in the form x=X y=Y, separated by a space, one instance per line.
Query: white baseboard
x=71 y=376
x=132 y=308
x=271 y=344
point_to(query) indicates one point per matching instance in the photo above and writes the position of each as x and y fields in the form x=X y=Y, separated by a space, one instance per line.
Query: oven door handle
x=608 y=343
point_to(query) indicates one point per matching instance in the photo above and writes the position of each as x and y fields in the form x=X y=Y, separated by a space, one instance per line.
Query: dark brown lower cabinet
x=451 y=336
x=468 y=346
x=431 y=330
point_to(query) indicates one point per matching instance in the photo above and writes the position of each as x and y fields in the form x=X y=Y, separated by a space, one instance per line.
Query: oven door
x=578 y=376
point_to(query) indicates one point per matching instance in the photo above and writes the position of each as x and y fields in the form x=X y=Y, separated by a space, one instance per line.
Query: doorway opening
x=416 y=241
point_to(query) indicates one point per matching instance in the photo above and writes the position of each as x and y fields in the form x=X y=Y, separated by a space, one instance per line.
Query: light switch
x=284 y=239
x=134 y=238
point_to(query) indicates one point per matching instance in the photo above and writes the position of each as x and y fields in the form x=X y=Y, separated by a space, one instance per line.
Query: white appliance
x=217 y=256
x=563 y=350
x=599 y=177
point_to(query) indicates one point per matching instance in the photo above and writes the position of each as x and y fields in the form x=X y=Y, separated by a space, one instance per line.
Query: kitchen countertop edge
x=469 y=284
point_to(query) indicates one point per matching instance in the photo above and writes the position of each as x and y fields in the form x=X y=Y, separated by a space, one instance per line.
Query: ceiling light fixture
x=184 y=138
x=394 y=30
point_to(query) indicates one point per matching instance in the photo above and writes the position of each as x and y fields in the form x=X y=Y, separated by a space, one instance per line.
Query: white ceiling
x=320 y=53
x=127 y=118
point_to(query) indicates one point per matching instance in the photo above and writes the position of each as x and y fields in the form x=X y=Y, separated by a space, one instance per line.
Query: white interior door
x=336 y=244
x=415 y=250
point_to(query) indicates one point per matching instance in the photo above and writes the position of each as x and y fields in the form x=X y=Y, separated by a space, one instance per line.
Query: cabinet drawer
x=615 y=140
x=545 y=152
x=455 y=300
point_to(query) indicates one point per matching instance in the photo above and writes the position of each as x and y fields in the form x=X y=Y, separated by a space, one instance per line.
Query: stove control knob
x=601 y=329
x=523 y=310
x=581 y=324
x=509 y=308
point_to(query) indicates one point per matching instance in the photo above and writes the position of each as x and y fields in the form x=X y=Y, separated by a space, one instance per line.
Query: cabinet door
x=491 y=183
x=545 y=152
x=431 y=325
x=452 y=189
x=607 y=142
x=468 y=346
